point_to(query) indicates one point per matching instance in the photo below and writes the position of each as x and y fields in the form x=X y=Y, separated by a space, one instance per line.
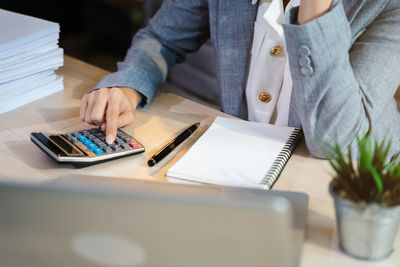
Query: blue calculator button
x=88 y=142
x=98 y=151
x=92 y=146
x=82 y=138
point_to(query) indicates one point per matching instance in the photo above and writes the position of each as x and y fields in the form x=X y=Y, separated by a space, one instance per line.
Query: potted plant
x=366 y=192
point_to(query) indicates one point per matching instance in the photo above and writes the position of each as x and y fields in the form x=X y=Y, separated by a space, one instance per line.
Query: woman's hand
x=110 y=108
x=312 y=9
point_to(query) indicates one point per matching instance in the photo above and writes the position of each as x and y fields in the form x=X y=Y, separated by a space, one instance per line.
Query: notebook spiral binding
x=281 y=160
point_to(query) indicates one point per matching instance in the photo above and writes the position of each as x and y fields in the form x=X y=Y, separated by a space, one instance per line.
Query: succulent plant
x=369 y=178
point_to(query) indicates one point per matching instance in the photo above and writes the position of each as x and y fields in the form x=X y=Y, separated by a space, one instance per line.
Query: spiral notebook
x=237 y=153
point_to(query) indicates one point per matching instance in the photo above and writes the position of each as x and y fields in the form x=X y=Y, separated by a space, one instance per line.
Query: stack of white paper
x=29 y=55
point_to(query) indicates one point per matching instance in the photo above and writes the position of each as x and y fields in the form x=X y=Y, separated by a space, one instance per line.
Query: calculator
x=87 y=147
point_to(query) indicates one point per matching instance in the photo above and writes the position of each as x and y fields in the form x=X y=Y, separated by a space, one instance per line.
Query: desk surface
x=20 y=160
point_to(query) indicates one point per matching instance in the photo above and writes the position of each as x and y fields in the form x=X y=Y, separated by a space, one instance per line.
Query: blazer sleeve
x=177 y=28
x=341 y=88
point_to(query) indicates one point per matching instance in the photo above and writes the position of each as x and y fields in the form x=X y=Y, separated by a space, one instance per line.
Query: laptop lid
x=104 y=222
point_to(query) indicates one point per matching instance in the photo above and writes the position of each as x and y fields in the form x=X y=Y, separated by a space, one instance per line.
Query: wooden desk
x=20 y=160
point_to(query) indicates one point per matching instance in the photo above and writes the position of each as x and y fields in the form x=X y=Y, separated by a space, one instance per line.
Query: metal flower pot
x=365 y=231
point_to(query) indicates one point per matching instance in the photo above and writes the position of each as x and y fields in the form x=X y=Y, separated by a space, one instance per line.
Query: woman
x=343 y=57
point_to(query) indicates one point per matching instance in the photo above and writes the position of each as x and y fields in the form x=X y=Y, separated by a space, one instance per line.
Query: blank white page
x=232 y=152
x=17 y=29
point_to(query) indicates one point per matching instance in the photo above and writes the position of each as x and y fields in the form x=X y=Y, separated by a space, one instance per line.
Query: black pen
x=159 y=155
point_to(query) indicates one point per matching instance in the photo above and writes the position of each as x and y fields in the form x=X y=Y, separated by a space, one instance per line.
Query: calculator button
x=113 y=145
x=99 y=135
x=107 y=149
x=102 y=145
x=126 y=147
x=87 y=143
x=121 y=134
x=99 y=144
x=134 y=144
x=119 y=141
x=82 y=138
x=92 y=146
x=85 y=149
x=117 y=148
x=93 y=141
x=98 y=151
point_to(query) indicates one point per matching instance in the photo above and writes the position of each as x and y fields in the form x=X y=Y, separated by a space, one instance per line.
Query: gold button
x=264 y=97
x=275 y=51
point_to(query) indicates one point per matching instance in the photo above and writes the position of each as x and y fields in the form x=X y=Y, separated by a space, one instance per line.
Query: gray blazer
x=344 y=65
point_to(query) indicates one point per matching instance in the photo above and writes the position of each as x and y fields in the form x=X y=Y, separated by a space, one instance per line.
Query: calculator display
x=67 y=148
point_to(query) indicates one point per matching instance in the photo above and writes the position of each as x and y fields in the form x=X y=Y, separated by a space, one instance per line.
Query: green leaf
x=377 y=179
x=369 y=177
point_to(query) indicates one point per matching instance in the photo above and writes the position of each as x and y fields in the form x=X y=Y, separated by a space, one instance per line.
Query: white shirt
x=269 y=74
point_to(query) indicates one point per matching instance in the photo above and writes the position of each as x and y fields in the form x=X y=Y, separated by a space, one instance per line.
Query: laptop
x=99 y=221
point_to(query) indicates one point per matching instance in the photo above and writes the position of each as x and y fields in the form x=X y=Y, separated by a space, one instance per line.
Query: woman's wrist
x=312 y=9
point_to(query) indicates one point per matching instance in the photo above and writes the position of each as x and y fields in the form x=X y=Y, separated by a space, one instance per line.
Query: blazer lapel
x=235 y=26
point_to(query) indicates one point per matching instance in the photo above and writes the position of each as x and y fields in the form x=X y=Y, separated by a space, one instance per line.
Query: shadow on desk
x=320 y=230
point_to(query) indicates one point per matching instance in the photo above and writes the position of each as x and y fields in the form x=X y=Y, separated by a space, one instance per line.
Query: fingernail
x=109 y=139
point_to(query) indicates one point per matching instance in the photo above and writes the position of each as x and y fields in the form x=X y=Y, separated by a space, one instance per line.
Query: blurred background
x=99 y=32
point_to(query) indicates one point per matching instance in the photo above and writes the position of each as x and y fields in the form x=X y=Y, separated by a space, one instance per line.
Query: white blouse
x=269 y=83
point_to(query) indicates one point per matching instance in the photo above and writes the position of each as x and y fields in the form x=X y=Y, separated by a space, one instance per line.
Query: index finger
x=112 y=121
